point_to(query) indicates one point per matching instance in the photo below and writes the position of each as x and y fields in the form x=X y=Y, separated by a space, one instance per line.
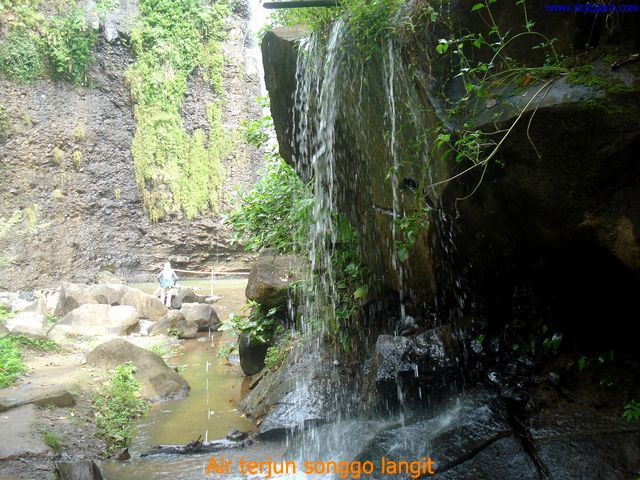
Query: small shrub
x=118 y=405
x=77 y=159
x=11 y=366
x=57 y=155
x=252 y=321
x=69 y=43
x=57 y=194
x=78 y=133
x=21 y=56
x=51 y=320
x=161 y=349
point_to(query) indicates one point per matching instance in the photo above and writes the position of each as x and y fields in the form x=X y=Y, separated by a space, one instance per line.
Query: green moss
x=176 y=171
x=598 y=77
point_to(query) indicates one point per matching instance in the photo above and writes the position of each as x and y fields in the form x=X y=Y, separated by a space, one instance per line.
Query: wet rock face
x=557 y=213
x=420 y=366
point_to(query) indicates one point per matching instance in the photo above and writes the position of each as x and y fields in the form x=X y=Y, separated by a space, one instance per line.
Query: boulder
x=80 y=470
x=269 y=279
x=159 y=381
x=202 y=314
x=60 y=333
x=174 y=323
x=5 y=303
x=72 y=295
x=4 y=331
x=30 y=323
x=251 y=354
x=41 y=396
x=98 y=319
x=185 y=295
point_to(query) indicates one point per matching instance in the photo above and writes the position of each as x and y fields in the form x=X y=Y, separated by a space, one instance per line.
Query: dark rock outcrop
x=80 y=470
x=252 y=354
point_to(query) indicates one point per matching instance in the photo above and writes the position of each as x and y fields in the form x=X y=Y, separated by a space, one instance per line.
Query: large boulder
x=159 y=381
x=174 y=323
x=201 y=314
x=269 y=279
x=72 y=295
x=185 y=295
x=21 y=437
x=98 y=319
x=32 y=324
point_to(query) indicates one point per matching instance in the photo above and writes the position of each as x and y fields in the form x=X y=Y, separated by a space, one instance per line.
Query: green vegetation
x=276 y=212
x=68 y=44
x=52 y=440
x=252 y=321
x=57 y=155
x=5 y=315
x=177 y=171
x=11 y=366
x=35 y=343
x=631 y=411
x=21 y=57
x=61 y=47
x=276 y=355
x=118 y=405
x=161 y=349
x=77 y=159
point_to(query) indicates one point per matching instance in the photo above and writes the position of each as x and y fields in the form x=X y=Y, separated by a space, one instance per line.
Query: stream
x=209 y=410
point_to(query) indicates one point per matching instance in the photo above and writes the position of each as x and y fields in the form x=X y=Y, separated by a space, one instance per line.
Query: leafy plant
x=21 y=58
x=68 y=44
x=118 y=404
x=275 y=213
x=253 y=322
x=631 y=411
x=275 y=357
x=11 y=366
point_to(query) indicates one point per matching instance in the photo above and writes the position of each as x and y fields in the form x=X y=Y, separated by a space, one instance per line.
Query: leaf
x=361 y=292
x=403 y=253
x=478 y=6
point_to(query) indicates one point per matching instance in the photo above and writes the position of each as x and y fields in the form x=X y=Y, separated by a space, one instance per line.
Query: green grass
x=162 y=349
x=5 y=125
x=118 y=405
x=11 y=366
x=52 y=440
